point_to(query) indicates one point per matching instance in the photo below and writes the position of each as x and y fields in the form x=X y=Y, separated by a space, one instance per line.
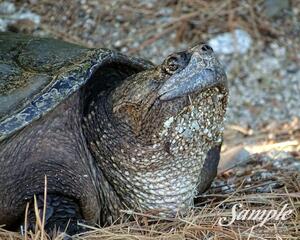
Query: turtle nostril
x=206 y=48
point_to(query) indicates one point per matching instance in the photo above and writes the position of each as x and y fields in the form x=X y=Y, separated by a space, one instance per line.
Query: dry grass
x=231 y=187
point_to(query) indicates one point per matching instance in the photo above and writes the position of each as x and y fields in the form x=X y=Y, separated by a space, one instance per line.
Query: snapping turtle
x=109 y=131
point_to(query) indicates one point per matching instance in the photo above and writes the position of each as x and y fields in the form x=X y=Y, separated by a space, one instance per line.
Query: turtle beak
x=202 y=72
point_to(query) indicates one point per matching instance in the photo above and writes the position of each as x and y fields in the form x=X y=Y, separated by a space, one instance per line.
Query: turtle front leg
x=210 y=167
x=62 y=215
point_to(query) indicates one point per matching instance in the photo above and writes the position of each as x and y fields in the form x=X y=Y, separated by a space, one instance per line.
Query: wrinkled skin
x=151 y=141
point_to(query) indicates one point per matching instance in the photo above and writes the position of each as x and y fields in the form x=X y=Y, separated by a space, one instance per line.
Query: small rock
x=274 y=8
x=239 y=41
x=28 y=15
x=3 y=25
x=7 y=8
x=165 y=11
x=168 y=123
x=22 y=26
x=17 y=21
x=187 y=133
x=268 y=65
x=118 y=44
x=233 y=157
x=195 y=125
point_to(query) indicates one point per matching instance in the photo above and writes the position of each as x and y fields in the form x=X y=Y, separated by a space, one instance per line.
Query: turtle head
x=148 y=102
x=165 y=120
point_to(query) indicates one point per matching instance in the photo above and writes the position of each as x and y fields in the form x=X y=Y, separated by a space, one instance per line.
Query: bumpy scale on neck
x=162 y=175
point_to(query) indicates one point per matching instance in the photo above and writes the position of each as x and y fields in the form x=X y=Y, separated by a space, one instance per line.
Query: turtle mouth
x=165 y=97
x=196 y=82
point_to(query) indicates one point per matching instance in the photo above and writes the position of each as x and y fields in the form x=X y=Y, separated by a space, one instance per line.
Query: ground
x=262 y=131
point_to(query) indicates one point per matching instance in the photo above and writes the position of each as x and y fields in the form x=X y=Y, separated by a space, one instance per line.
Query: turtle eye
x=172 y=63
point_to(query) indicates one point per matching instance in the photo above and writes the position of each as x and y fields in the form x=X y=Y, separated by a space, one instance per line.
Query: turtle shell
x=39 y=73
